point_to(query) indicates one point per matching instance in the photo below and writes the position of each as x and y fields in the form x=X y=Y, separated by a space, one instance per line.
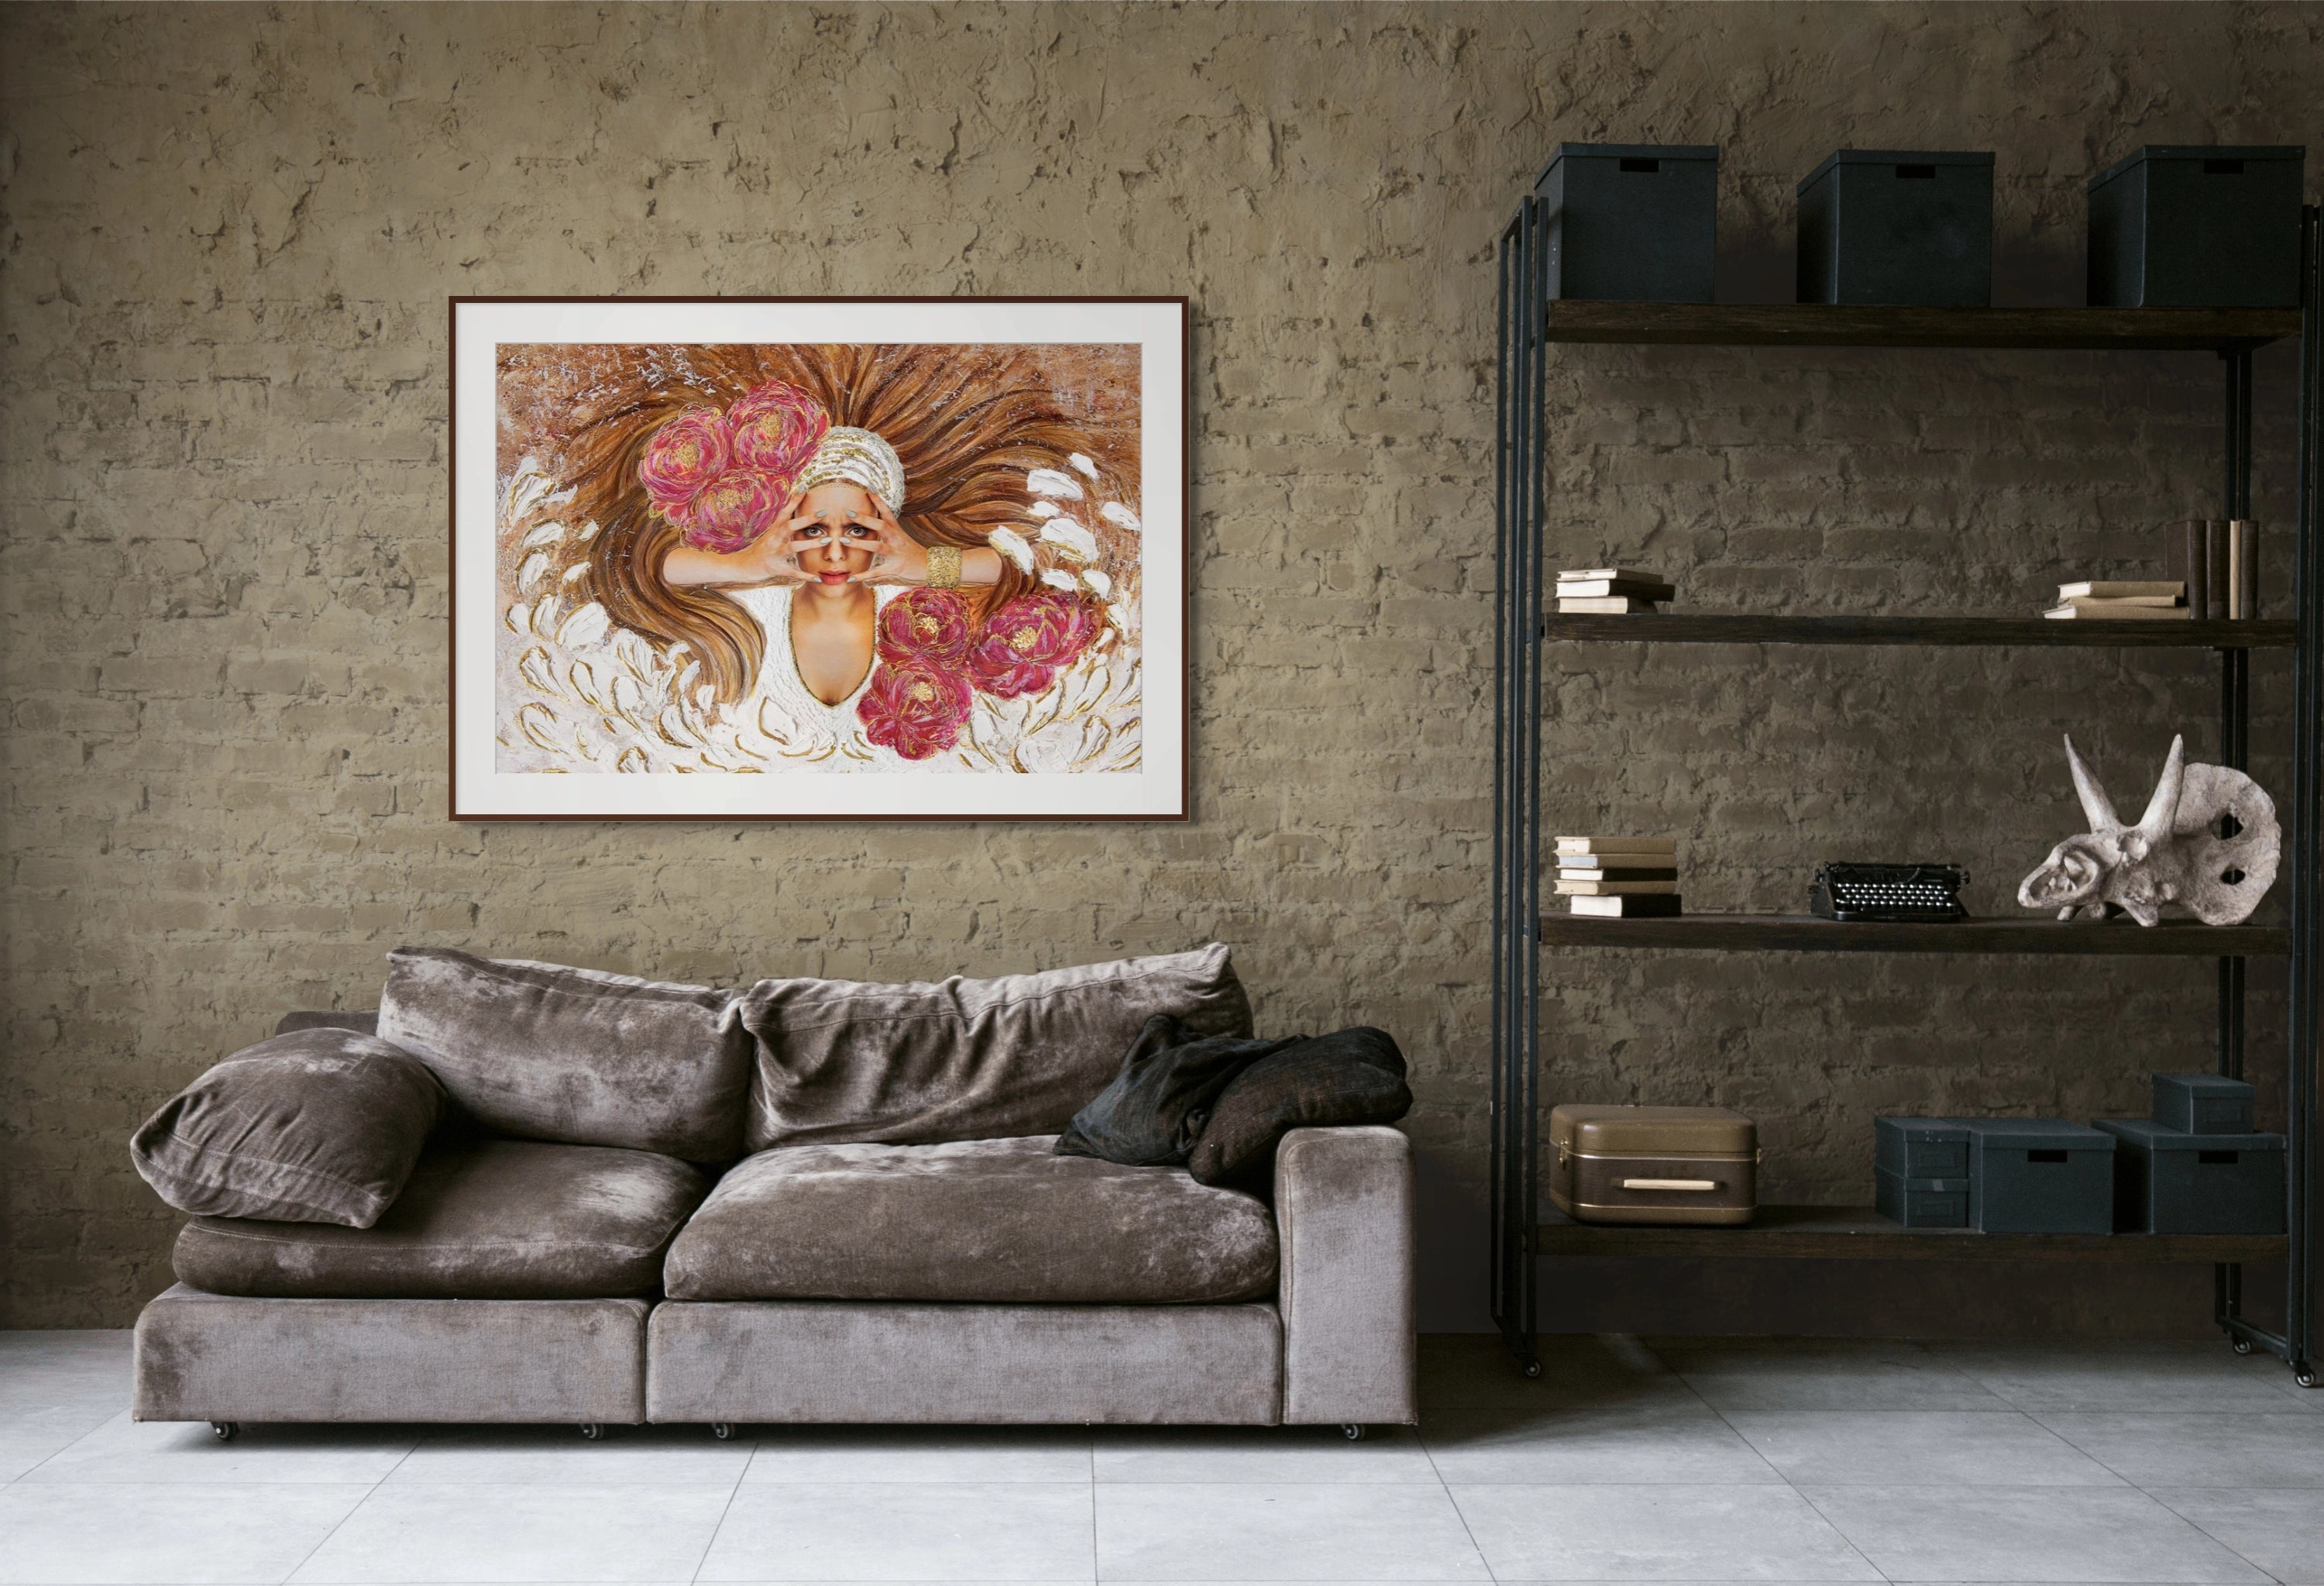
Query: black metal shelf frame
x=1518 y=643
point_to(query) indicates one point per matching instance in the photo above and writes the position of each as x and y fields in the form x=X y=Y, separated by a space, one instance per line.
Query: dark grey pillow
x=574 y=1054
x=1154 y=1110
x=842 y=1062
x=1350 y=1076
x=318 y=1126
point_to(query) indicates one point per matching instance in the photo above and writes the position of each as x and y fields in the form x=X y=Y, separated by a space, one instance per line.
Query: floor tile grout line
x=2190 y=1520
x=1843 y=1536
x=1463 y=1515
x=724 y=1509
x=372 y=1492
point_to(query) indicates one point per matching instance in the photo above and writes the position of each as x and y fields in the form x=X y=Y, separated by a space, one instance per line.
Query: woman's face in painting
x=839 y=542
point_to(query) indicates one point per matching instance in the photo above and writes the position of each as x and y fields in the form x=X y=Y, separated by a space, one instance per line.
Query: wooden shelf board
x=1690 y=628
x=1823 y=325
x=1860 y=1233
x=1806 y=932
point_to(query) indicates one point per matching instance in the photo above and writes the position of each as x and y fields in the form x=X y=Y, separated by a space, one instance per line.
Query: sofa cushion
x=574 y=1054
x=1351 y=1077
x=480 y=1220
x=1004 y=1220
x=319 y=1126
x=963 y=1059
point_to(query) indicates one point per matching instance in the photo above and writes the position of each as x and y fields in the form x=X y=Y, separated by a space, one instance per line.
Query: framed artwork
x=818 y=559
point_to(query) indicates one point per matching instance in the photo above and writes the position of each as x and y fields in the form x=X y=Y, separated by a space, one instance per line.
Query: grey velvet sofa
x=820 y=1263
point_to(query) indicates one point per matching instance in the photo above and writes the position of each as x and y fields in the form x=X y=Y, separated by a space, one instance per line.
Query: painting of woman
x=820 y=558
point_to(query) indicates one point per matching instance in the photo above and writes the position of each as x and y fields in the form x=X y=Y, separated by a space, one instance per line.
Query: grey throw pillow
x=1350 y=1076
x=318 y=1126
x=959 y=1059
x=574 y=1054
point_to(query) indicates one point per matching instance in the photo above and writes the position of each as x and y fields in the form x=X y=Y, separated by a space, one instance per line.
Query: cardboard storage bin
x=2040 y=1176
x=1895 y=227
x=2168 y=1181
x=1682 y=1165
x=2202 y=1104
x=1634 y=223
x=2184 y=227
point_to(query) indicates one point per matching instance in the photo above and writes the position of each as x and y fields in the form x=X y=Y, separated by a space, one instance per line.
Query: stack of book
x=1609 y=591
x=2122 y=600
x=1619 y=877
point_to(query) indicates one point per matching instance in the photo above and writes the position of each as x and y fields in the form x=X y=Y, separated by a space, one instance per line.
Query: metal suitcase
x=1682 y=1164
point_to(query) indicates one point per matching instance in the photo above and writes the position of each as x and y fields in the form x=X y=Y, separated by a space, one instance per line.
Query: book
x=1603 y=606
x=2109 y=611
x=1610 y=845
x=2214 y=569
x=1590 y=574
x=1635 y=588
x=2242 y=570
x=2185 y=560
x=2167 y=590
x=1660 y=907
x=1623 y=889
x=2112 y=602
x=2116 y=611
x=1620 y=866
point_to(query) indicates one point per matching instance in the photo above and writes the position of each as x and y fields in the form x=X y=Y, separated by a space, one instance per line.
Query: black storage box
x=2040 y=1176
x=2183 y=226
x=2202 y=1104
x=1886 y=226
x=2168 y=1181
x=1920 y=1147
x=1634 y=223
x=1921 y=1203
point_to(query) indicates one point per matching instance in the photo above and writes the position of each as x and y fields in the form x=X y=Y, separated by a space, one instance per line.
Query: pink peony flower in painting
x=913 y=708
x=928 y=625
x=1027 y=641
x=684 y=453
x=774 y=428
x=728 y=513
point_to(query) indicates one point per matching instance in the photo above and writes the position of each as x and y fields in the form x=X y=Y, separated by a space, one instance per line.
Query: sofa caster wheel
x=721 y=1430
x=224 y=1431
x=1352 y=1431
x=2306 y=1377
x=2242 y=1346
x=592 y=1430
x=1533 y=1368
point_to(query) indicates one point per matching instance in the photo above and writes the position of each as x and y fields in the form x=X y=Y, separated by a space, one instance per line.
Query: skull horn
x=2163 y=809
x=2096 y=804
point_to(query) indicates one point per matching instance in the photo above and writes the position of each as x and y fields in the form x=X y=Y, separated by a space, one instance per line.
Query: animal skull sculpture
x=2175 y=857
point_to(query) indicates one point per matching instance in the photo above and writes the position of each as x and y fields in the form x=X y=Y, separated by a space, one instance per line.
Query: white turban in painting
x=858 y=458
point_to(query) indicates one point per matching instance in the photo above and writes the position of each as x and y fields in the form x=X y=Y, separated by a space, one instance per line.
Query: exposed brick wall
x=228 y=237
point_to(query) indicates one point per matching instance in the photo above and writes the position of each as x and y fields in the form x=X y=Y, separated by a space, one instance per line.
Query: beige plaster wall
x=226 y=235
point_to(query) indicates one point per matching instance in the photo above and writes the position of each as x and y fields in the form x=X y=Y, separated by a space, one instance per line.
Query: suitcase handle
x=1671 y=1183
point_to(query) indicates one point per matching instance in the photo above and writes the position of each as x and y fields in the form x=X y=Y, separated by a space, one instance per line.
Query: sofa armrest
x=1344 y=1214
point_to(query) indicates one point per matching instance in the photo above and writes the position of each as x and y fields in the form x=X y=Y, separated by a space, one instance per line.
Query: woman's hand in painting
x=772 y=558
x=898 y=559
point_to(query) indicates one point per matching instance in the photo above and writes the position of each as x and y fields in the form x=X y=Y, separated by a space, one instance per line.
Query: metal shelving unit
x=1530 y=325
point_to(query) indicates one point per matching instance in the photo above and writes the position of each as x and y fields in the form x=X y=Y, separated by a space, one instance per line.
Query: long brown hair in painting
x=966 y=423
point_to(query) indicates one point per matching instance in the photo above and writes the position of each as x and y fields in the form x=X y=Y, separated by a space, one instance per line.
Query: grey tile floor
x=1687 y=1460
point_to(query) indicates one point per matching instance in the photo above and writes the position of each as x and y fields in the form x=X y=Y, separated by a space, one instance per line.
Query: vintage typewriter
x=1888 y=891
